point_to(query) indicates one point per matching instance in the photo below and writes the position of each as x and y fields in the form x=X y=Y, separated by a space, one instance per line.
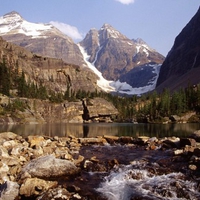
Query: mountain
x=115 y=56
x=43 y=39
x=119 y=64
x=54 y=74
x=182 y=64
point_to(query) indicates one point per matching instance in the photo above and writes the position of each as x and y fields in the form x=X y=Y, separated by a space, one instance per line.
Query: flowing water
x=136 y=182
x=142 y=175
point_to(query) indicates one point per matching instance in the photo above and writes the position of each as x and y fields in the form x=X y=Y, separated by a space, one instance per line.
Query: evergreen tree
x=4 y=79
x=164 y=103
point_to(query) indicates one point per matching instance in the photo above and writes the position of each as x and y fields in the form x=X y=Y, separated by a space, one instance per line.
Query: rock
x=143 y=138
x=35 y=186
x=3 y=152
x=10 y=161
x=189 y=149
x=175 y=118
x=36 y=140
x=126 y=139
x=111 y=139
x=92 y=140
x=152 y=139
x=4 y=170
x=56 y=193
x=178 y=152
x=187 y=141
x=197 y=152
x=49 y=167
x=79 y=160
x=98 y=109
x=9 y=190
x=171 y=142
x=5 y=136
x=196 y=135
x=192 y=167
x=9 y=144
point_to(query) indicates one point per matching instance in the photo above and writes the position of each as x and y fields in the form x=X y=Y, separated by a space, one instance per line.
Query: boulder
x=49 y=167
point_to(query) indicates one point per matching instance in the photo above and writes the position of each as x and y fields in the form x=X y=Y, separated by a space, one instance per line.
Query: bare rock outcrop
x=54 y=74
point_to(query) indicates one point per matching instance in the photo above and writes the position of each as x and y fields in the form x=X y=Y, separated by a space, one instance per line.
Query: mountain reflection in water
x=100 y=129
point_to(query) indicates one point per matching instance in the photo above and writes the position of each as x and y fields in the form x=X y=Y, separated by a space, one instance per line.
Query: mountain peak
x=13 y=16
x=12 y=13
x=109 y=32
x=106 y=26
x=13 y=23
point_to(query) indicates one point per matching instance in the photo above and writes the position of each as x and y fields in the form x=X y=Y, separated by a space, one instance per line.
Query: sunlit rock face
x=114 y=54
x=182 y=64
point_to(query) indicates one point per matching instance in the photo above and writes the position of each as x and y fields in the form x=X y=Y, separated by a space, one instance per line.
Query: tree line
x=153 y=105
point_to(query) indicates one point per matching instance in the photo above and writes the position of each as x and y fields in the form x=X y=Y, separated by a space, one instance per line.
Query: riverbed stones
x=37 y=164
x=49 y=167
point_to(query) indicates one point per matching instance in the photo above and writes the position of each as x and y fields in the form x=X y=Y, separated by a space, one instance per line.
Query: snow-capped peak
x=111 y=32
x=13 y=23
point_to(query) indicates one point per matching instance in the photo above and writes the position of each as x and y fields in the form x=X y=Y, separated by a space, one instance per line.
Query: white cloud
x=126 y=1
x=67 y=29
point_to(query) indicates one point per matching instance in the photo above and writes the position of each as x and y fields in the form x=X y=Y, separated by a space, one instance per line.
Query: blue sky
x=157 y=22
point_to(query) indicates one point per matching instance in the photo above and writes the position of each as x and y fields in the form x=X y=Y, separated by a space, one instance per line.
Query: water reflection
x=100 y=129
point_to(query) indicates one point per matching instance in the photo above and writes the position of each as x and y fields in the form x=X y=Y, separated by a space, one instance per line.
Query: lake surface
x=100 y=129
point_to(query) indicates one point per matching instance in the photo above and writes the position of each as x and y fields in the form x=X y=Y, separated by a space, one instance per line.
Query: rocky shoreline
x=42 y=167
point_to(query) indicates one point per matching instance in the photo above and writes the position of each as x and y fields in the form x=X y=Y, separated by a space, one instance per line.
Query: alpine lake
x=89 y=130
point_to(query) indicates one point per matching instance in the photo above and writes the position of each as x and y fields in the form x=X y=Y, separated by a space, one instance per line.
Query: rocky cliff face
x=43 y=39
x=40 y=111
x=115 y=55
x=182 y=64
x=55 y=74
